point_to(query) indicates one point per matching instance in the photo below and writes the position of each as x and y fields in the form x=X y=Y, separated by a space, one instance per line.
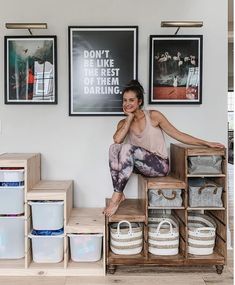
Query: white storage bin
x=11 y=200
x=12 y=244
x=47 y=215
x=47 y=249
x=85 y=247
x=11 y=177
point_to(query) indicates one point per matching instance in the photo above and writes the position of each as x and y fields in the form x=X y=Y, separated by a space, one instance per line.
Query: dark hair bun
x=135 y=84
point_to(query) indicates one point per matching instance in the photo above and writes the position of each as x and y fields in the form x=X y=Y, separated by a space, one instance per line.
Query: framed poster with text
x=102 y=60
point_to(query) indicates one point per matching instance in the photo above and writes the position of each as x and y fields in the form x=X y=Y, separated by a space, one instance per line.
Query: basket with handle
x=126 y=238
x=207 y=164
x=163 y=241
x=201 y=234
x=165 y=198
x=155 y=219
x=204 y=193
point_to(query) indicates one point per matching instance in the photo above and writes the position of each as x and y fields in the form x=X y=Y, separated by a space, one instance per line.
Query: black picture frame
x=175 y=75
x=102 y=60
x=30 y=69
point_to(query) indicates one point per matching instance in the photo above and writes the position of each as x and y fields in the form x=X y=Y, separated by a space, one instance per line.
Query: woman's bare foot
x=114 y=203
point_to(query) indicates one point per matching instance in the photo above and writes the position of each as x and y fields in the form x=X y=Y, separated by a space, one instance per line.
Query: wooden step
x=50 y=190
x=86 y=220
x=165 y=182
x=129 y=209
x=53 y=190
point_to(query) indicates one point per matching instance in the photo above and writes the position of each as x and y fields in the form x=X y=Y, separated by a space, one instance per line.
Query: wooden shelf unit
x=77 y=220
x=177 y=179
x=87 y=221
x=30 y=162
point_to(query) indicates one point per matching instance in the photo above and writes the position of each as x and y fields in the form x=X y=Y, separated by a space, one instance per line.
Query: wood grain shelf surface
x=126 y=259
x=86 y=220
x=12 y=263
x=212 y=259
x=205 y=175
x=165 y=182
x=166 y=260
x=129 y=209
x=165 y=208
x=205 y=208
x=50 y=190
x=201 y=150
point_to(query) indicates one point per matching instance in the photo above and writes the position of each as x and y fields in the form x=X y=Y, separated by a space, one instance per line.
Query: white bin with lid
x=47 y=249
x=12 y=245
x=11 y=200
x=85 y=247
x=47 y=215
x=11 y=177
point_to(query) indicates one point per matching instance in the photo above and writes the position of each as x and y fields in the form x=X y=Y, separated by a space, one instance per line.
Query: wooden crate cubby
x=177 y=179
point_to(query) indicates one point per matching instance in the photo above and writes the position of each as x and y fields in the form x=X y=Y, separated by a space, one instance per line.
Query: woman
x=144 y=150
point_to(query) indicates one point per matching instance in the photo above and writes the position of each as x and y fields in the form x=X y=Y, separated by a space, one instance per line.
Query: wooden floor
x=139 y=276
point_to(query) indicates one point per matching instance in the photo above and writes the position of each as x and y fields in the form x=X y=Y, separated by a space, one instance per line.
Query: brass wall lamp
x=27 y=26
x=181 y=24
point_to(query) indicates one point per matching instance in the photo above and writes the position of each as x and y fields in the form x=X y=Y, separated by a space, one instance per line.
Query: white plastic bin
x=85 y=247
x=47 y=215
x=11 y=200
x=11 y=177
x=47 y=249
x=12 y=244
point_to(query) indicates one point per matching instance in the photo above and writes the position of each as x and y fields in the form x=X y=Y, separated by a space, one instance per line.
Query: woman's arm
x=123 y=128
x=159 y=119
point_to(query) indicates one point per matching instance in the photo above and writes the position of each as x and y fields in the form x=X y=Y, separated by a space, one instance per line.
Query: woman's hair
x=136 y=87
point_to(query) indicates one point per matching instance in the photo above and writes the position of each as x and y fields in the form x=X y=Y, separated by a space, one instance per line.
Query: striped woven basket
x=163 y=241
x=155 y=219
x=201 y=234
x=126 y=238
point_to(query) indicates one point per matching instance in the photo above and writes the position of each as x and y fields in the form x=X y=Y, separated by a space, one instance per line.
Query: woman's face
x=130 y=102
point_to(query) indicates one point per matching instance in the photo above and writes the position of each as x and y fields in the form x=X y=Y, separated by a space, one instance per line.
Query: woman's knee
x=114 y=149
x=126 y=147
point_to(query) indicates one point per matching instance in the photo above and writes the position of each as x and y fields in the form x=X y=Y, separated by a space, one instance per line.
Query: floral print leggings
x=124 y=159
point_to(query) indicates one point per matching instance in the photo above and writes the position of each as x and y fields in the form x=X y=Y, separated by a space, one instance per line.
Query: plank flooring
x=137 y=275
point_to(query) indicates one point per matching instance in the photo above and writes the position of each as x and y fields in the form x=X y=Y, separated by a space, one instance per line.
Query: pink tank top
x=151 y=138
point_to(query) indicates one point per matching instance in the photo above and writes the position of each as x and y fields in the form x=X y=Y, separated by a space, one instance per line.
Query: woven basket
x=201 y=234
x=126 y=238
x=163 y=241
x=154 y=220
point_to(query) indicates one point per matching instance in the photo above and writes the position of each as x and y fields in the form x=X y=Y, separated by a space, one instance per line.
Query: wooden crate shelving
x=177 y=179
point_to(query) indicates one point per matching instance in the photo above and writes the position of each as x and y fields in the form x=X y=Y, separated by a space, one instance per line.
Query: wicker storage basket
x=201 y=234
x=126 y=238
x=155 y=219
x=165 y=198
x=163 y=241
x=208 y=164
x=204 y=193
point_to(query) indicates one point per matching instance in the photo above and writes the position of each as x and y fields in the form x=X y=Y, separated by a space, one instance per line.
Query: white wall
x=77 y=147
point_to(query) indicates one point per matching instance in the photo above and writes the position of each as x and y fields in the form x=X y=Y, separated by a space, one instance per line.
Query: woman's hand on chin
x=129 y=114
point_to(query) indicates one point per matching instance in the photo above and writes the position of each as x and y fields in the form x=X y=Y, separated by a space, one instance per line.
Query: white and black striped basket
x=163 y=240
x=201 y=234
x=126 y=238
